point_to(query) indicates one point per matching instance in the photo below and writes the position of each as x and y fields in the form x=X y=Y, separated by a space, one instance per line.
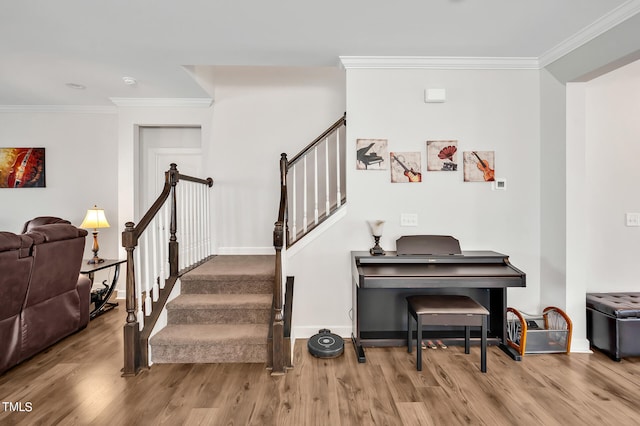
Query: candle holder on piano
x=376 y=230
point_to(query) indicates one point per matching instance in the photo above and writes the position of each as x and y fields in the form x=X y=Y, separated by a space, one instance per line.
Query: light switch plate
x=633 y=219
x=408 y=219
x=435 y=95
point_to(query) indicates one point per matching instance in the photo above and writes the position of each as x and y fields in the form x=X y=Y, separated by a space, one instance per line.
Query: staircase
x=222 y=314
x=232 y=309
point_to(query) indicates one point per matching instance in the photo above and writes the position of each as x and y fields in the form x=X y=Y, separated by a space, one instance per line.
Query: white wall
x=252 y=125
x=600 y=117
x=485 y=110
x=553 y=181
x=81 y=170
x=128 y=124
x=612 y=153
x=576 y=214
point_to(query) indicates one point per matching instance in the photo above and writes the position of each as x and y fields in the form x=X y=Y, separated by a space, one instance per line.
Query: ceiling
x=47 y=44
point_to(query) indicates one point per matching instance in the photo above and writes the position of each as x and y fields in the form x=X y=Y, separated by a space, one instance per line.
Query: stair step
x=236 y=274
x=210 y=343
x=220 y=309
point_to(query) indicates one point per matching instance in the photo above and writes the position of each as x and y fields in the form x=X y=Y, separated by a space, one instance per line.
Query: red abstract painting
x=22 y=168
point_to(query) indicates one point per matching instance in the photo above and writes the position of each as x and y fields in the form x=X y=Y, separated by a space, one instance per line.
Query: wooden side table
x=100 y=297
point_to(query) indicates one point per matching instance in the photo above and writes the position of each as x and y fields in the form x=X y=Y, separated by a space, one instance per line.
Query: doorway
x=159 y=147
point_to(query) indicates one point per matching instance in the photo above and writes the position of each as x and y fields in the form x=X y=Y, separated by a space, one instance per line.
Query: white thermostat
x=499 y=184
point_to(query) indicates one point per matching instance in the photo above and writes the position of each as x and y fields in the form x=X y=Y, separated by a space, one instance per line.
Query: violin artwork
x=410 y=173
x=25 y=167
x=487 y=172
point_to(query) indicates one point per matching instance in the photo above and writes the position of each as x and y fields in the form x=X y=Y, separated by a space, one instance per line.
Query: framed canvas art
x=22 y=168
x=405 y=167
x=479 y=166
x=441 y=156
x=371 y=154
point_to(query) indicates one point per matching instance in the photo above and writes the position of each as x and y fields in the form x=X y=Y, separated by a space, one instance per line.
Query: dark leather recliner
x=43 y=297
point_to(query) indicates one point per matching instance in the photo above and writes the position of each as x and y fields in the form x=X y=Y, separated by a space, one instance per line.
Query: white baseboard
x=246 y=250
x=580 y=346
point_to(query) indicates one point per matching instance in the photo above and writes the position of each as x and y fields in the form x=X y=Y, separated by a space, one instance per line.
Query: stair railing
x=315 y=181
x=155 y=259
x=317 y=184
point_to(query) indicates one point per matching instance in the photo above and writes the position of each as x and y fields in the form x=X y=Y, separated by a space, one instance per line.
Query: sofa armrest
x=84 y=292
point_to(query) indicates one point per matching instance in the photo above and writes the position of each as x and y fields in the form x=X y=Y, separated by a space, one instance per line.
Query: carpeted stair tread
x=211 y=333
x=222 y=314
x=220 y=309
x=234 y=268
x=238 y=343
x=228 y=301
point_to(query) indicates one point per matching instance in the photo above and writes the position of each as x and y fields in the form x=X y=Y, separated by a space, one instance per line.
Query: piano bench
x=449 y=310
x=613 y=323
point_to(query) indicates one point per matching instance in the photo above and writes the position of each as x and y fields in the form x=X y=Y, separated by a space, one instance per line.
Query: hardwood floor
x=78 y=382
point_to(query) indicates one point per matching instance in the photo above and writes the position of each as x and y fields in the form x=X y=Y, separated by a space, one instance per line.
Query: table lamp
x=95 y=219
x=376 y=230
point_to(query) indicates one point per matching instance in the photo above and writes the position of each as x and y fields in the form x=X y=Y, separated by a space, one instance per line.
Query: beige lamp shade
x=376 y=227
x=95 y=219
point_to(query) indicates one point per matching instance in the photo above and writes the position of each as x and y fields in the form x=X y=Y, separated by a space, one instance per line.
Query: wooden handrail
x=341 y=121
x=136 y=340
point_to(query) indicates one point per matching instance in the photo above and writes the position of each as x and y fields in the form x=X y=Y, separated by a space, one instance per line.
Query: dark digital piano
x=427 y=264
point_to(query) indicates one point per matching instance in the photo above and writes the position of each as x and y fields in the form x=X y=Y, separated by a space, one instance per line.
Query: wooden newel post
x=131 y=327
x=173 y=226
x=278 y=323
x=278 y=359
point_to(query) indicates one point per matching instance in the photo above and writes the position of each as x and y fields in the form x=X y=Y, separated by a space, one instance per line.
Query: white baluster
x=315 y=184
x=338 y=194
x=147 y=273
x=181 y=230
x=138 y=289
x=156 y=257
x=167 y=236
x=294 y=193
x=162 y=243
x=207 y=208
x=200 y=223
x=304 y=194
x=193 y=222
x=189 y=222
x=327 y=206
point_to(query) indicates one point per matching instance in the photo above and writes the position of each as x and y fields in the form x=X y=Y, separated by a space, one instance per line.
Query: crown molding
x=439 y=62
x=79 y=109
x=163 y=102
x=602 y=25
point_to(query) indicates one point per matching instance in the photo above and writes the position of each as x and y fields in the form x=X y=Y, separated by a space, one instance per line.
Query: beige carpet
x=222 y=314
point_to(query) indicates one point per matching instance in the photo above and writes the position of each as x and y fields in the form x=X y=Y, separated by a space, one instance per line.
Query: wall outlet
x=633 y=219
x=408 y=219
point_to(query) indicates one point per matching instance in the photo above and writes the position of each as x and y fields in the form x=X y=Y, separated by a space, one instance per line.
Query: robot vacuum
x=325 y=344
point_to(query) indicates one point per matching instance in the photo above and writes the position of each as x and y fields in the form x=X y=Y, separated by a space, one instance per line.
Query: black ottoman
x=613 y=323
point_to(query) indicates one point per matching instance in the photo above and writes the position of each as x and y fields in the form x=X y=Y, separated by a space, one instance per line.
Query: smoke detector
x=129 y=81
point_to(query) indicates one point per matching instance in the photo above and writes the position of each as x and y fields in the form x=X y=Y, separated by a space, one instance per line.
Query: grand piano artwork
x=368 y=158
x=427 y=264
